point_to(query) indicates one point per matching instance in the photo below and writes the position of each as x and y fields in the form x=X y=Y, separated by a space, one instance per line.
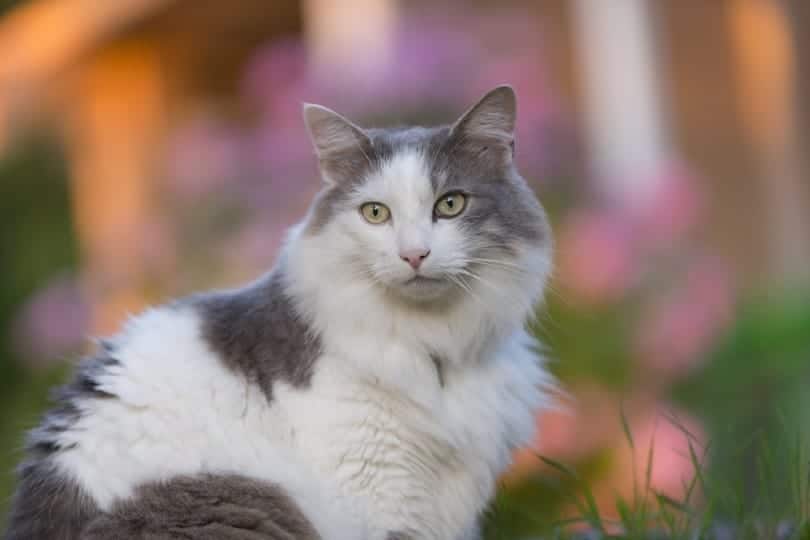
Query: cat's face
x=422 y=213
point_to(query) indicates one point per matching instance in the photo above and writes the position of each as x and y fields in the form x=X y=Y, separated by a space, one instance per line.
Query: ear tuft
x=330 y=132
x=493 y=117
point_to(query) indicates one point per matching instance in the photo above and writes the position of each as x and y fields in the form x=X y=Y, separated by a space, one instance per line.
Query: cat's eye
x=375 y=212
x=450 y=205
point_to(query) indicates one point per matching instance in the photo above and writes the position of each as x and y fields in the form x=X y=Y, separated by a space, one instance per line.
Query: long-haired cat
x=371 y=386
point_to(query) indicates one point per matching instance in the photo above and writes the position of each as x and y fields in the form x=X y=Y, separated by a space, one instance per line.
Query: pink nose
x=414 y=257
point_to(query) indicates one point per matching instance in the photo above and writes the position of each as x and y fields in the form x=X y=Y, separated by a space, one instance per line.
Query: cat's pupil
x=375 y=211
x=449 y=201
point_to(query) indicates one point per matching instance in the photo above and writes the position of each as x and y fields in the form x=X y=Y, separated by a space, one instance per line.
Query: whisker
x=479 y=278
x=483 y=281
x=496 y=262
x=465 y=287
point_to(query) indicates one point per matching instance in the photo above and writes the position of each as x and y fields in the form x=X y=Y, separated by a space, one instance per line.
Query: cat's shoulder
x=206 y=352
x=258 y=331
x=252 y=333
x=175 y=387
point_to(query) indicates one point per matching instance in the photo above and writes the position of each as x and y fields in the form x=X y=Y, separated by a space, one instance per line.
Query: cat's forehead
x=397 y=139
x=404 y=163
x=402 y=177
x=409 y=154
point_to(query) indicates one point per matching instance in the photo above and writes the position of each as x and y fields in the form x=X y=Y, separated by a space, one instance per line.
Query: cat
x=371 y=386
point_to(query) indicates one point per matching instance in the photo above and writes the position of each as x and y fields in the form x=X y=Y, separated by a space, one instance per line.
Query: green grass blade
x=565 y=470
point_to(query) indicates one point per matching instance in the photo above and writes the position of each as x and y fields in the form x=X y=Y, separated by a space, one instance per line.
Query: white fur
x=375 y=444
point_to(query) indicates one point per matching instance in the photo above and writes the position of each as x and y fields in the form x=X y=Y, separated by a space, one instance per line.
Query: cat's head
x=427 y=214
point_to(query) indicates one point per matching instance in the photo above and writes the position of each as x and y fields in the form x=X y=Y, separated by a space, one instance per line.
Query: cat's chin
x=424 y=290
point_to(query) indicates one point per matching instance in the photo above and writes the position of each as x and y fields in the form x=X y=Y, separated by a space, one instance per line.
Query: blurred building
x=722 y=86
x=114 y=78
x=719 y=85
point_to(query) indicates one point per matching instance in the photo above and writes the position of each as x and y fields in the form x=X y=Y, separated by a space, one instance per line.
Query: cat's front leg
x=209 y=507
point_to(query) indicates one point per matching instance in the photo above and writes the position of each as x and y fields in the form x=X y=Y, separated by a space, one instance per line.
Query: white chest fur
x=424 y=462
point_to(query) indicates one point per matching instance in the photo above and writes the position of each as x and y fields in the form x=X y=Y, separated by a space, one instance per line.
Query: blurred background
x=149 y=148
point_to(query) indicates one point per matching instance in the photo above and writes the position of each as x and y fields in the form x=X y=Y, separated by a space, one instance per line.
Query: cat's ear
x=491 y=119
x=341 y=146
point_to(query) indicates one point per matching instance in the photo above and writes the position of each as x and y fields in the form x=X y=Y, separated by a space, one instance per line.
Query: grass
x=768 y=500
x=752 y=481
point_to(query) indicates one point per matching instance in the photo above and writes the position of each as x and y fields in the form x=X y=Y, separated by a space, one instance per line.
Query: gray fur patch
x=47 y=504
x=46 y=438
x=504 y=209
x=208 y=507
x=257 y=332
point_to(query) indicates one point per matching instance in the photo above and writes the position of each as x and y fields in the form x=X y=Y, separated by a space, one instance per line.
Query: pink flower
x=254 y=247
x=203 y=158
x=596 y=257
x=593 y=426
x=284 y=158
x=582 y=425
x=672 y=467
x=272 y=70
x=681 y=327
x=156 y=247
x=53 y=322
x=674 y=208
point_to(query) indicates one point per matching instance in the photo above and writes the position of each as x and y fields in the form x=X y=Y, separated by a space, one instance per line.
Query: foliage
x=36 y=240
x=751 y=481
x=8 y=5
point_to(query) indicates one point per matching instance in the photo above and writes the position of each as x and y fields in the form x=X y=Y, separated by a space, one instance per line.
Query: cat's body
x=371 y=386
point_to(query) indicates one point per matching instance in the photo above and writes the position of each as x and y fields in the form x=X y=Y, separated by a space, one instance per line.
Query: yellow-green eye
x=450 y=205
x=375 y=213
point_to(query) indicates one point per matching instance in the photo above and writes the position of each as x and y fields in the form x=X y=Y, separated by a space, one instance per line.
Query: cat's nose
x=414 y=257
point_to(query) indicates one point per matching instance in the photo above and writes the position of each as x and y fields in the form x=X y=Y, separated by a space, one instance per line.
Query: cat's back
x=183 y=389
x=164 y=402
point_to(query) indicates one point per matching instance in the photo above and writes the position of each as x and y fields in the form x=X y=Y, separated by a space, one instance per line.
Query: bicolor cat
x=371 y=386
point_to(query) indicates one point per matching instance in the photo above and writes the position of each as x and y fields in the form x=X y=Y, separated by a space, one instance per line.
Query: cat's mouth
x=420 y=279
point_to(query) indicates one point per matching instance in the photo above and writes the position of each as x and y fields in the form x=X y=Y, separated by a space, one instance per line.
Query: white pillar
x=352 y=38
x=623 y=115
